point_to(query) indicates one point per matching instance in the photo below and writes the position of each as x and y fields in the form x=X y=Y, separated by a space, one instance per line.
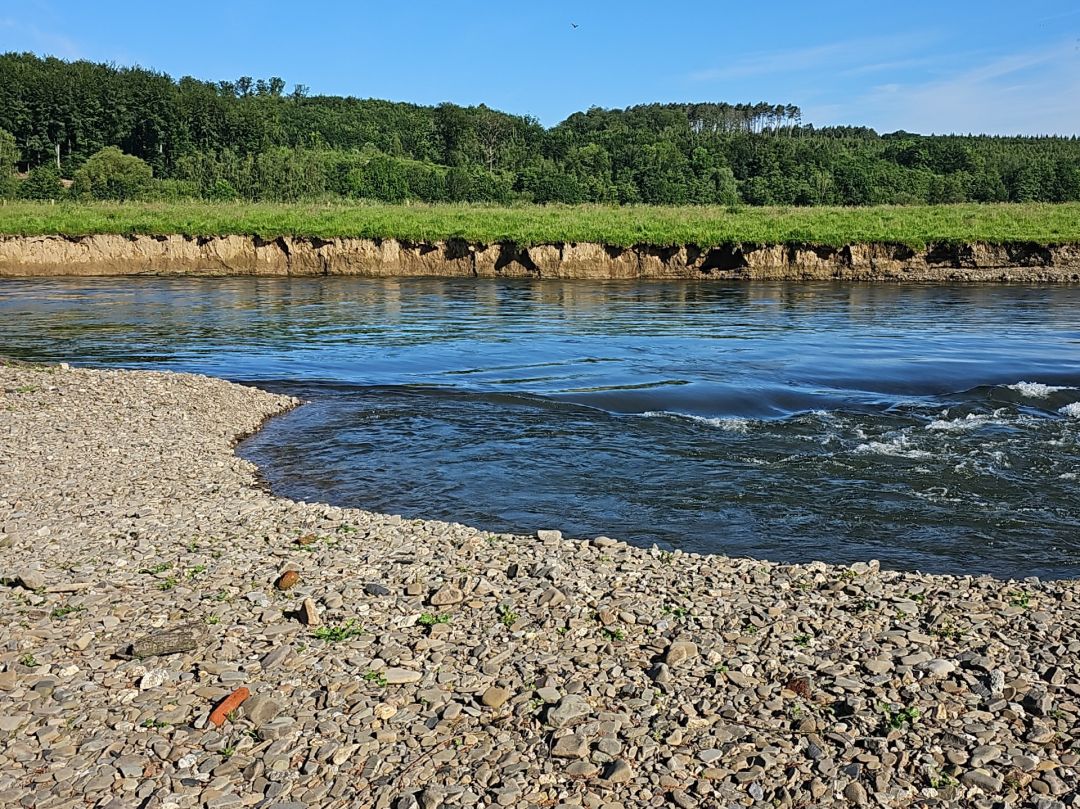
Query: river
x=932 y=427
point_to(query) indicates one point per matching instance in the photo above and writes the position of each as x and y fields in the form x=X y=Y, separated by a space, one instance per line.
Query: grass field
x=915 y=226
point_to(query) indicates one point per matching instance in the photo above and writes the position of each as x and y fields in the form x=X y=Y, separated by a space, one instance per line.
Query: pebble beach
x=172 y=635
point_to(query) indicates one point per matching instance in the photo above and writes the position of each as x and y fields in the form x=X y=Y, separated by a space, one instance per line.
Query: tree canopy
x=252 y=139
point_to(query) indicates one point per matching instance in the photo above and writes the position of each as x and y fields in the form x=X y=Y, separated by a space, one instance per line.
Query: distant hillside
x=253 y=139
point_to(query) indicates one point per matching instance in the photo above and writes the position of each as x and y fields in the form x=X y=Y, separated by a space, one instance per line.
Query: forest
x=86 y=131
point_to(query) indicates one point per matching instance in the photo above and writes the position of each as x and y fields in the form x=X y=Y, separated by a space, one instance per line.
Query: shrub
x=111 y=174
x=43 y=183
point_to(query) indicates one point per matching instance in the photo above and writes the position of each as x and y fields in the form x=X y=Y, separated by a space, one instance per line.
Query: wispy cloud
x=16 y=35
x=854 y=54
x=1031 y=92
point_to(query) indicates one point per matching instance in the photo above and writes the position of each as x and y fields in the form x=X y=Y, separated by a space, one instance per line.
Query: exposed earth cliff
x=251 y=255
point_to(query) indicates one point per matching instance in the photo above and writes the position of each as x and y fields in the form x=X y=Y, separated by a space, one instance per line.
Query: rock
x=605 y=542
x=374 y=589
x=984 y=755
x=855 y=793
x=938 y=668
x=569 y=709
x=184 y=637
x=983 y=780
x=572 y=746
x=551 y=597
x=261 y=709
x=277 y=729
x=996 y=682
x=446 y=595
x=130 y=766
x=549 y=694
x=29 y=580
x=582 y=769
x=618 y=772
x=545 y=535
x=154 y=678
x=680 y=652
x=288 y=580
x=309 y=613
x=495 y=697
x=399 y=676
x=432 y=797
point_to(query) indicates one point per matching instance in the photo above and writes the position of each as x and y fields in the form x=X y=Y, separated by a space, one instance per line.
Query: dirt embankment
x=247 y=255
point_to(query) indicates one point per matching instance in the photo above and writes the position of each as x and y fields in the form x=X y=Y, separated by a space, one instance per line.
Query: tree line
x=95 y=131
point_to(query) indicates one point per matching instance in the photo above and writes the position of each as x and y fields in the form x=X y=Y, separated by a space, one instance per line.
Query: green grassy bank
x=618 y=226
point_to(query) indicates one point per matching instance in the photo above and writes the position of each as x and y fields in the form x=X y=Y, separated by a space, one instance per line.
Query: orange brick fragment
x=228 y=705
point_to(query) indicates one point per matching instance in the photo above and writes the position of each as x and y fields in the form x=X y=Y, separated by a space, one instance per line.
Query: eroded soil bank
x=248 y=255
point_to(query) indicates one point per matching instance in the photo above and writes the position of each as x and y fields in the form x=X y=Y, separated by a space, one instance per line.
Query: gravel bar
x=175 y=636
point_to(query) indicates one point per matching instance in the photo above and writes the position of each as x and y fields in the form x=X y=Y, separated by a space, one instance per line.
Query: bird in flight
x=573 y=25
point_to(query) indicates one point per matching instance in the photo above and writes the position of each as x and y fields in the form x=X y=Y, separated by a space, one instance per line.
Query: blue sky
x=998 y=66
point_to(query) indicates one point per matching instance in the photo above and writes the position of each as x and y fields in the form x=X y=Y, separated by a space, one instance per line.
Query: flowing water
x=932 y=427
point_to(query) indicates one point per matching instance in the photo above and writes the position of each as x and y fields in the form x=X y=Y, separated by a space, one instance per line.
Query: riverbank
x=415 y=662
x=1023 y=243
x=182 y=255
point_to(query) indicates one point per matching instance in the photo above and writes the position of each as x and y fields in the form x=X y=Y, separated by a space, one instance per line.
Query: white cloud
x=855 y=54
x=1026 y=93
x=20 y=36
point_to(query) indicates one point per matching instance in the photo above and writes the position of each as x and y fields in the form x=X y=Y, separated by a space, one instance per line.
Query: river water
x=931 y=427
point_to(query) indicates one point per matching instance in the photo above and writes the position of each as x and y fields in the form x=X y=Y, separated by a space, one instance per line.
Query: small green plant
x=196 y=571
x=430 y=619
x=948 y=630
x=897 y=718
x=168 y=583
x=213 y=620
x=336 y=634
x=678 y=612
x=612 y=633
x=161 y=567
x=66 y=610
x=918 y=598
x=1021 y=598
x=27 y=389
x=376 y=677
x=228 y=751
x=154 y=724
x=942 y=780
x=507 y=616
x=562 y=630
x=29 y=661
x=667 y=557
x=222 y=596
x=802 y=640
x=345 y=528
x=193 y=546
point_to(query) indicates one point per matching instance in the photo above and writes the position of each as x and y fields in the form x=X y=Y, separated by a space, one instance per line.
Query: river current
x=931 y=427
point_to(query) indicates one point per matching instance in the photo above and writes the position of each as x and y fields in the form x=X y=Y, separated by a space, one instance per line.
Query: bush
x=172 y=191
x=43 y=183
x=111 y=174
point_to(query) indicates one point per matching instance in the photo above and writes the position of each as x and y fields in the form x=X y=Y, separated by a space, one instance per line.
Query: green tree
x=43 y=183
x=9 y=157
x=111 y=174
